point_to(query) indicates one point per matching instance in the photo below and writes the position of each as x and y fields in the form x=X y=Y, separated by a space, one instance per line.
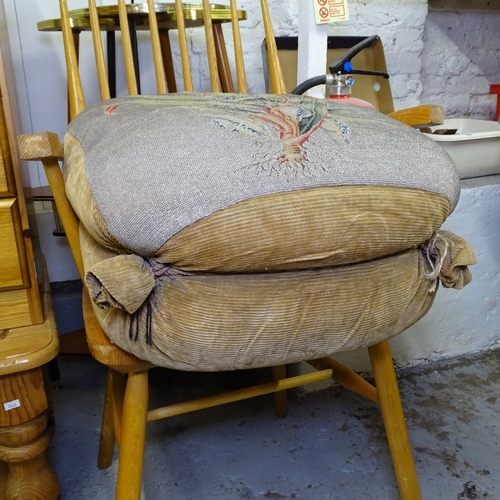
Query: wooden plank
x=7 y=182
x=11 y=267
x=428 y=114
x=238 y=395
x=14 y=313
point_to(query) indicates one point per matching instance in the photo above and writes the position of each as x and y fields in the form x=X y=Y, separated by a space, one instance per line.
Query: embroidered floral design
x=294 y=131
x=295 y=123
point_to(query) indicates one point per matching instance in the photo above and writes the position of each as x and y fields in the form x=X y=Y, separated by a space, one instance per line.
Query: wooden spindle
x=181 y=29
x=102 y=75
x=277 y=82
x=211 y=54
x=127 y=48
x=156 y=46
x=168 y=63
x=75 y=90
x=238 y=50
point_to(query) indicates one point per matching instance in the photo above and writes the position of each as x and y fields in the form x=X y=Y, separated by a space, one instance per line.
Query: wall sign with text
x=330 y=11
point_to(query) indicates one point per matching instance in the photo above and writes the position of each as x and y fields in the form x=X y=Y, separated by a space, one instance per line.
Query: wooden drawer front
x=6 y=174
x=14 y=309
x=12 y=247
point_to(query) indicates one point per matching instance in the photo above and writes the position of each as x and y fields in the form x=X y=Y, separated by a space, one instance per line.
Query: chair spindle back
x=215 y=48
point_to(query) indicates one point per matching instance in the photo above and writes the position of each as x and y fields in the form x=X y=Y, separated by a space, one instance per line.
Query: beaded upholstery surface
x=191 y=155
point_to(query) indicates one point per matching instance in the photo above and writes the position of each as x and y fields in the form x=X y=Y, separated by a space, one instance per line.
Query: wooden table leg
x=280 y=397
x=226 y=79
x=24 y=437
x=168 y=62
x=22 y=448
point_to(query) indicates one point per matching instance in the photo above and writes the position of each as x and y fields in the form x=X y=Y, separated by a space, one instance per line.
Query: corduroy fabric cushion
x=230 y=183
x=211 y=322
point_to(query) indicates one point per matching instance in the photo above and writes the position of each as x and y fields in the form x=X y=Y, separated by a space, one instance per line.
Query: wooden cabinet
x=20 y=303
x=28 y=337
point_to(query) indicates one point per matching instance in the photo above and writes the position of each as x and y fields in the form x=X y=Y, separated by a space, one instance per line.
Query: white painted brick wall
x=399 y=23
x=460 y=321
x=444 y=58
x=461 y=58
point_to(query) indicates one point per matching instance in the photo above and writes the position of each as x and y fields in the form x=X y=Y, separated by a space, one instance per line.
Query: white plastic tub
x=475 y=148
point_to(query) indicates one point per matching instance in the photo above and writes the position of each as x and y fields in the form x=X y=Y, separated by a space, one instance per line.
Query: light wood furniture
x=19 y=296
x=167 y=16
x=28 y=337
x=25 y=414
x=126 y=411
x=418 y=116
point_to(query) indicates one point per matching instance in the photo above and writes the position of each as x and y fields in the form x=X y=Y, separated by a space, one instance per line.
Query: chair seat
x=220 y=231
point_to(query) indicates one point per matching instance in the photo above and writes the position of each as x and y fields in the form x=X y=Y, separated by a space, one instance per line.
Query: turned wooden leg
x=24 y=437
x=280 y=397
x=133 y=435
x=22 y=448
x=394 y=421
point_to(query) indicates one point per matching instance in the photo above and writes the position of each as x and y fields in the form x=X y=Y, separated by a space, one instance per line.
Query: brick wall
x=461 y=58
x=444 y=58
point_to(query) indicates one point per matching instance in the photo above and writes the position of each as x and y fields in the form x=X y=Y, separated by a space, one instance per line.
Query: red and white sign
x=330 y=11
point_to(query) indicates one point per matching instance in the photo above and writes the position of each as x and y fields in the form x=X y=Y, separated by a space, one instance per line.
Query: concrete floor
x=331 y=446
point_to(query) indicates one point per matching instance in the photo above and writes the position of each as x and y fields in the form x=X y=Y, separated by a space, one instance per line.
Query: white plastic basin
x=475 y=148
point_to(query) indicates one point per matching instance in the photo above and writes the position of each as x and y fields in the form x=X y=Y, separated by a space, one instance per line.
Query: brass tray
x=166 y=16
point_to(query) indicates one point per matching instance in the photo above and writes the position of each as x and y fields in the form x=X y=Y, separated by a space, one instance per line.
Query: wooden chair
x=126 y=410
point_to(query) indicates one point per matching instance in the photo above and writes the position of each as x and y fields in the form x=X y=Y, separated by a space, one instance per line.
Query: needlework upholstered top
x=229 y=231
x=295 y=181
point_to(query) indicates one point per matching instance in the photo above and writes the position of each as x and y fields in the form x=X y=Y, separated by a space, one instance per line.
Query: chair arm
x=46 y=147
x=417 y=116
x=40 y=146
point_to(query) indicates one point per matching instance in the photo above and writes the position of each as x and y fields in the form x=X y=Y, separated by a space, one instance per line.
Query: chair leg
x=119 y=385
x=280 y=397
x=394 y=421
x=133 y=434
x=107 y=441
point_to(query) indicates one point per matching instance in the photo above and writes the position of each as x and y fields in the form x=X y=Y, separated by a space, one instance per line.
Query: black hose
x=309 y=84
